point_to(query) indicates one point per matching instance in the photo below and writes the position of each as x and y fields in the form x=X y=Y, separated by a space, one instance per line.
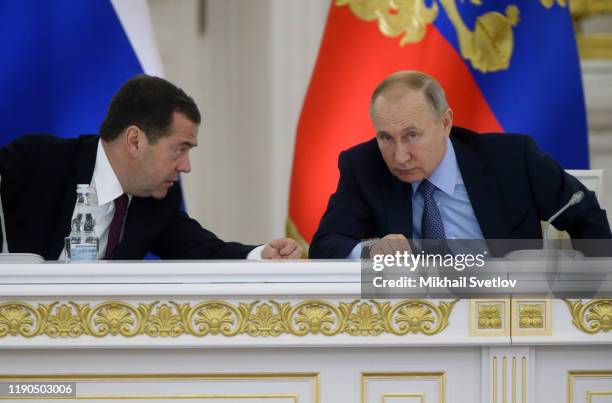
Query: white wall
x=248 y=71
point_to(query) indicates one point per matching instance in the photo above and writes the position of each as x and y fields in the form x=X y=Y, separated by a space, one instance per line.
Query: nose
x=184 y=164
x=402 y=154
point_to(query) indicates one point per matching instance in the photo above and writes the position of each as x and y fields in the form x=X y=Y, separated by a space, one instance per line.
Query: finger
x=297 y=253
x=269 y=252
x=276 y=243
x=403 y=245
x=387 y=247
x=288 y=247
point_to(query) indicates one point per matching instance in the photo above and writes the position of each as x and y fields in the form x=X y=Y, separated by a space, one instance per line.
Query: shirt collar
x=105 y=181
x=446 y=175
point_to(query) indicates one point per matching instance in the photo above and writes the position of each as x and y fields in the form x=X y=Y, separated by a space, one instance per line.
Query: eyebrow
x=404 y=130
x=410 y=128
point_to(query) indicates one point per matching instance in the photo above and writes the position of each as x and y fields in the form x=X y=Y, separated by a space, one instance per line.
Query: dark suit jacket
x=512 y=185
x=39 y=178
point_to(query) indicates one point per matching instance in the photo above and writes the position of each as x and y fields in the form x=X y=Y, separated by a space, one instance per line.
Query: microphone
x=5 y=256
x=548 y=250
x=575 y=199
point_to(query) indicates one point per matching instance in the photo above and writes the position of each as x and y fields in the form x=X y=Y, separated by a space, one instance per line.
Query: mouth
x=400 y=171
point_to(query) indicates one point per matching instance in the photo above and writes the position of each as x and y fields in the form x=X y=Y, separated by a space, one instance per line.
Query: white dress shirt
x=104 y=189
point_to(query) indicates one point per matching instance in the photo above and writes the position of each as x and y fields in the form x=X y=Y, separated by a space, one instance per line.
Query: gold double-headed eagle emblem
x=488 y=46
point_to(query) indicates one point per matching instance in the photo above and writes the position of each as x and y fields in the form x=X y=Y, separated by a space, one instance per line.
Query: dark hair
x=149 y=103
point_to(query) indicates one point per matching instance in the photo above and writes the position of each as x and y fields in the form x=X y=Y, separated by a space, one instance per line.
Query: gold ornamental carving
x=164 y=322
x=591 y=317
x=220 y=318
x=20 y=320
x=416 y=316
x=488 y=45
x=531 y=316
x=489 y=316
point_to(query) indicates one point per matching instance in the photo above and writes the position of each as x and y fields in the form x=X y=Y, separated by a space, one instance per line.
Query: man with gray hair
x=423 y=178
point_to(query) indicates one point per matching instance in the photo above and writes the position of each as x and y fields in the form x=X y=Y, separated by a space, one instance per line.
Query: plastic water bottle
x=83 y=242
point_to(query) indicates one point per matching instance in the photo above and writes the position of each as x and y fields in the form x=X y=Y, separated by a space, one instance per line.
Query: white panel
x=136 y=21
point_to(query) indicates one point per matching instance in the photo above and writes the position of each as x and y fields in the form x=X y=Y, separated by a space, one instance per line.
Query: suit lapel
x=482 y=189
x=398 y=205
x=85 y=162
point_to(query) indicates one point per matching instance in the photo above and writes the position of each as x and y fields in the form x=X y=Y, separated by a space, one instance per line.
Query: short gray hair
x=412 y=79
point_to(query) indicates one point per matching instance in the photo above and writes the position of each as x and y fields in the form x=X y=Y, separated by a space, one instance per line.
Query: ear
x=134 y=139
x=447 y=121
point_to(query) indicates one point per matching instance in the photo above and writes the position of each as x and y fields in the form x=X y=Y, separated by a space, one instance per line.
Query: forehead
x=400 y=99
x=182 y=130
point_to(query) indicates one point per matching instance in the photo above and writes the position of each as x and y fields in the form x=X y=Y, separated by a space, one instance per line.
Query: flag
x=506 y=66
x=63 y=60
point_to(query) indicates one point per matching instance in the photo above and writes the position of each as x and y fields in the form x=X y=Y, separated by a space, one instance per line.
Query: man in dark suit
x=135 y=163
x=422 y=178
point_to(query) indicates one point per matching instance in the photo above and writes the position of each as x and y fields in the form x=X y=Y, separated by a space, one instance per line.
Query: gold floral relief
x=591 y=317
x=266 y=321
x=165 y=322
x=365 y=321
x=114 y=318
x=216 y=317
x=64 y=322
x=489 y=316
x=531 y=316
x=220 y=318
x=18 y=319
x=415 y=316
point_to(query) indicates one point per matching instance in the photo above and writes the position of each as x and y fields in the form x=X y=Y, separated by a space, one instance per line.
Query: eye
x=384 y=137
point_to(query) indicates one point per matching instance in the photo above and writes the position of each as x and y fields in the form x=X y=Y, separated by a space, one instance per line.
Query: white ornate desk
x=290 y=332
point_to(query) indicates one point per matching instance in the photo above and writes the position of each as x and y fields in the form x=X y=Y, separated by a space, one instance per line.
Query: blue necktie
x=431 y=225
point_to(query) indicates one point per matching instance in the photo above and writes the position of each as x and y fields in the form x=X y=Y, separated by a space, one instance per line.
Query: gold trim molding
x=420 y=396
x=572 y=376
x=592 y=317
x=439 y=376
x=597 y=393
x=220 y=318
x=312 y=377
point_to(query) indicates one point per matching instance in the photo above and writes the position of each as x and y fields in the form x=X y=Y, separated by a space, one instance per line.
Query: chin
x=159 y=194
x=410 y=178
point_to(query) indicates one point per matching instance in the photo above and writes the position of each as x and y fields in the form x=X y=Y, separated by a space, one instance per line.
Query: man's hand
x=389 y=245
x=283 y=248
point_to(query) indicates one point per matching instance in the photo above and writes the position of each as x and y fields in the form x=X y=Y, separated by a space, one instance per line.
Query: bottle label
x=84 y=251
